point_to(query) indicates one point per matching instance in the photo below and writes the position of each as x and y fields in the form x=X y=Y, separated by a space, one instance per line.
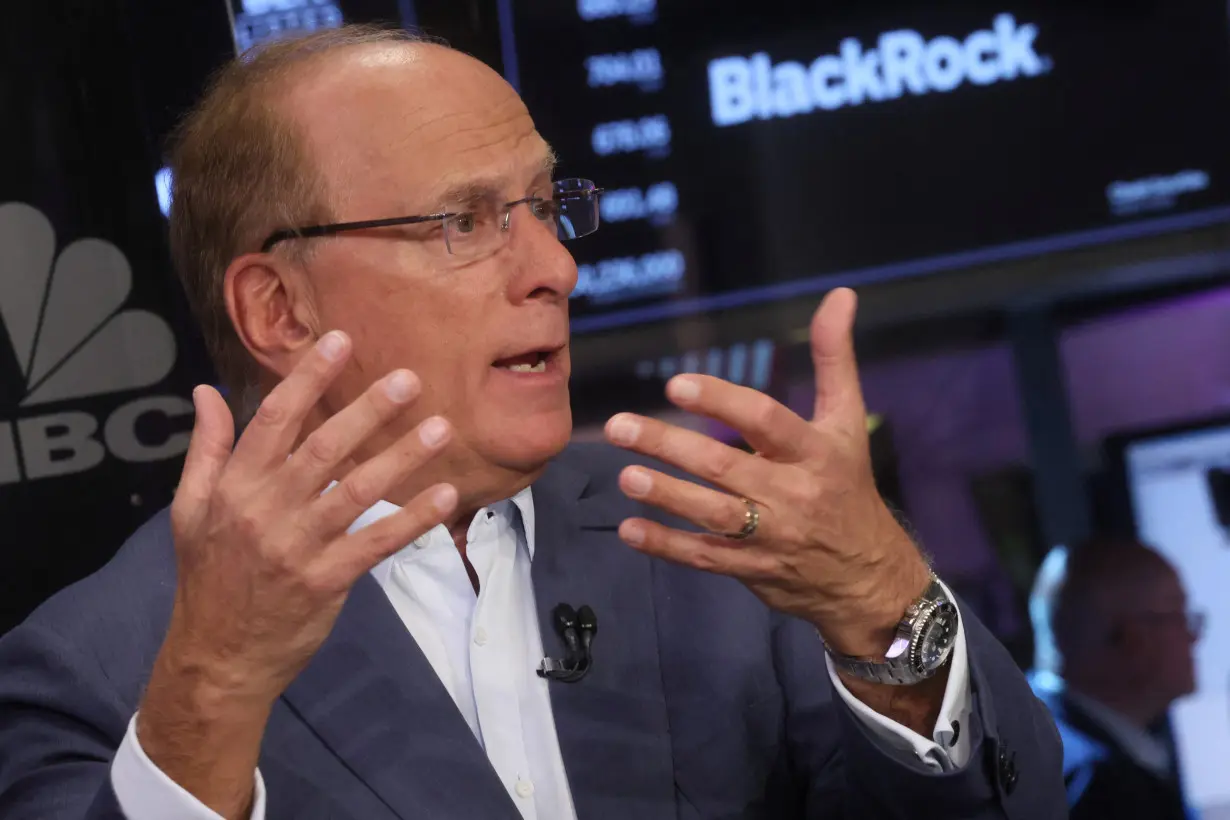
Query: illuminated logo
x=72 y=338
x=742 y=89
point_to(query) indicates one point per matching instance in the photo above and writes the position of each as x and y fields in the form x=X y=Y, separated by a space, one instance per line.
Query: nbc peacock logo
x=72 y=337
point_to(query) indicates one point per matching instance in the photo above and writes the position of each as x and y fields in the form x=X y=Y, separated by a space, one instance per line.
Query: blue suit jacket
x=1103 y=782
x=702 y=702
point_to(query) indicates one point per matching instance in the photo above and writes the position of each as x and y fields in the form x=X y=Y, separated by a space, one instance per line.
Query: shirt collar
x=1135 y=741
x=519 y=510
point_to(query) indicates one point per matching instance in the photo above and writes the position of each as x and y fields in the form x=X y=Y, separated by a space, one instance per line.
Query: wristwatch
x=923 y=643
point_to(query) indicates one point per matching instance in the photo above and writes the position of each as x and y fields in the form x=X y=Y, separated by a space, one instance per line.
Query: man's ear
x=268 y=301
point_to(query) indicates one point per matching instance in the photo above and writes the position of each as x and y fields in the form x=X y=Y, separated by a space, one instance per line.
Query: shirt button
x=524 y=788
x=480 y=636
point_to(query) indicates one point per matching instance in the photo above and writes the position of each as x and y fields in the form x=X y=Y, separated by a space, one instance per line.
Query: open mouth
x=534 y=361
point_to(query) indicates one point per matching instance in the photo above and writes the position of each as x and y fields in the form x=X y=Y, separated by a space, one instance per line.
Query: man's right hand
x=265 y=562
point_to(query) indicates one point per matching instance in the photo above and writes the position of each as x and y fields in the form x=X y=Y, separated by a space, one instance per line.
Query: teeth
x=541 y=367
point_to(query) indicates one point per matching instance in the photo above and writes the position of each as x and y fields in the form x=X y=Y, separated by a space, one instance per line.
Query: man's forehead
x=464 y=182
x=414 y=116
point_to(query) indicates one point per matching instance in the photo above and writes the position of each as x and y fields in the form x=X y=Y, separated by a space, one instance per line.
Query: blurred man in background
x=1114 y=650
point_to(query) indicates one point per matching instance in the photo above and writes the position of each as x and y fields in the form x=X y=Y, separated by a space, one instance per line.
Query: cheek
x=432 y=322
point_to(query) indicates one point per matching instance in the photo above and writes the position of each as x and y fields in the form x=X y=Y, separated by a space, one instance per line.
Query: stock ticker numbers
x=617 y=132
x=746 y=156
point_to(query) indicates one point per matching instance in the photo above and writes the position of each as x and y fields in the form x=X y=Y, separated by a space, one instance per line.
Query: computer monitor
x=762 y=156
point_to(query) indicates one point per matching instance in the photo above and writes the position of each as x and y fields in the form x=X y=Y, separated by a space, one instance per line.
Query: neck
x=477 y=487
x=479 y=482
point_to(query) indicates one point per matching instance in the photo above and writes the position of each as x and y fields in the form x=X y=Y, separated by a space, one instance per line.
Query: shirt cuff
x=948 y=749
x=145 y=792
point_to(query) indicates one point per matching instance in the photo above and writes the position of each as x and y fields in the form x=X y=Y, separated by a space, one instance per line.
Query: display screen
x=259 y=20
x=756 y=156
x=1180 y=491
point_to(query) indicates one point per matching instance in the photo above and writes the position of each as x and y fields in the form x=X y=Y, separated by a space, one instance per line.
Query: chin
x=531 y=442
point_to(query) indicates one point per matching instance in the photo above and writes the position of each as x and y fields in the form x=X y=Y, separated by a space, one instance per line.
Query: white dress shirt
x=485 y=648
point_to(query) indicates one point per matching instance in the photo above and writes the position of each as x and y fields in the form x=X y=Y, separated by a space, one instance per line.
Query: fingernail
x=683 y=389
x=399 y=386
x=433 y=431
x=623 y=430
x=332 y=345
x=637 y=482
x=444 y=497
x=632 y=533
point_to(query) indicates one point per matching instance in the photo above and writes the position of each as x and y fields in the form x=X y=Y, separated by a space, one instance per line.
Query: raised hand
x=265 y=562
x=826 y=547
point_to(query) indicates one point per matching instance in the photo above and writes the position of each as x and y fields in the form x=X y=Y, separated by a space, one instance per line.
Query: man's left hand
x=827 y=548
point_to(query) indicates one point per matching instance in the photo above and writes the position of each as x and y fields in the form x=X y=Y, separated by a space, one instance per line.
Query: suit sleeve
x=60 y=725
x=948 y=747
x=1014 y=768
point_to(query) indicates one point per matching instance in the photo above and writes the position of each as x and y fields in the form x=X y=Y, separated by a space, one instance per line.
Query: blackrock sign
x=73 y=339
x=742 y=89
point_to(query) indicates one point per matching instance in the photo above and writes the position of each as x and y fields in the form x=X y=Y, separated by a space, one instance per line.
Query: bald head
x=1109 y=617
x=1082 y=593
x=241 y=169
x=407 y=105
x=396 y=190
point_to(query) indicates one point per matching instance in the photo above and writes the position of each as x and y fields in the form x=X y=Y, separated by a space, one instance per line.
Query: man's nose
x=545 y=268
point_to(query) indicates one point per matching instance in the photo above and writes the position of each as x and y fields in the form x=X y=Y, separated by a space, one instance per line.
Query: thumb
x=832 y=354
x=213 y=435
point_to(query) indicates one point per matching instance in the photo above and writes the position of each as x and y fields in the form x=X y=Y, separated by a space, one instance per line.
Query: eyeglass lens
x=573 y=208
x=577 y=210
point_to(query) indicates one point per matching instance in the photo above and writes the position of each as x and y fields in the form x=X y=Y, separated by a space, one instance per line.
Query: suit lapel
x=612 y=725
x=371 y=696
x=1079 y=719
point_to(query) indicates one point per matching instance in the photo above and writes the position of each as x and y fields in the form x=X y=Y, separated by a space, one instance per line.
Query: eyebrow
x=479 y=188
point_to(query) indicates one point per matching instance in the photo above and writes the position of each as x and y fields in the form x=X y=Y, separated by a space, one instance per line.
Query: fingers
x=710 y=510
x=371 y=481
x=766 y=424
x=832 y=352
x=213 y=434
x=354 y=554
x=318 y=459
x=710 y=553
x=271 y=434
x=695 y=453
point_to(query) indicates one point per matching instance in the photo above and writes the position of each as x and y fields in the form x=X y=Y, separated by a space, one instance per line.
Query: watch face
x=936 y=638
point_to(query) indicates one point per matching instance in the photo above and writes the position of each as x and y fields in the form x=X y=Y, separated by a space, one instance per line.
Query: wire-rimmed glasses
x=482 y=228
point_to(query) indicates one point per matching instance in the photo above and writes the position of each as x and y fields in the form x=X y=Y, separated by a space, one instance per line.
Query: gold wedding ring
x=751 y=520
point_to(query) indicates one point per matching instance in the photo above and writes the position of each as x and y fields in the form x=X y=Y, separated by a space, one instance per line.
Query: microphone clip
x=577 y=628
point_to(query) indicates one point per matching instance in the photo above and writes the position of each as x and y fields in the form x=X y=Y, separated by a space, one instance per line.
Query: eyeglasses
x=572 y=210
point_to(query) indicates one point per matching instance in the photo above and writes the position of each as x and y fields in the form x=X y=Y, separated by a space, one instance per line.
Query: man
x=343 y=612
x=1114 y=650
